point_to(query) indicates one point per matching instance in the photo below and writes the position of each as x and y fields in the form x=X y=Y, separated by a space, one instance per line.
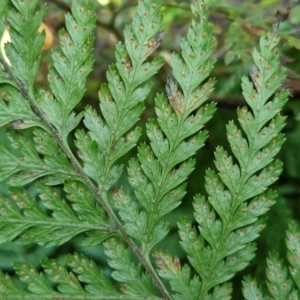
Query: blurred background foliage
x=238 y=26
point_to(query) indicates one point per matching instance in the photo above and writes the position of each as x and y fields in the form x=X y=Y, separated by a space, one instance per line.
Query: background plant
x=156 y=177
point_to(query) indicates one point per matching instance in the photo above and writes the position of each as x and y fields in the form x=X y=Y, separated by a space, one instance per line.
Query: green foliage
x=61 y=188
x=68 y=283
x=157 y=176
x=227 y=223
x=23 y=217
x=279 y=283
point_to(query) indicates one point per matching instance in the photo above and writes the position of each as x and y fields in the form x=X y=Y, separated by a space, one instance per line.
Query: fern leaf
x=158 y=175
x=24 y=54
x=72 y=64
x=84 y=282
x=251 y=291
x=53 y=111
x=27 y=107
x=292 y=242
x=135 y=282
x=23 y=218
x=25 y=161
x=179 y=276
x=279 y=283
x=24 y=49
x=228 y=219
x=121 y=100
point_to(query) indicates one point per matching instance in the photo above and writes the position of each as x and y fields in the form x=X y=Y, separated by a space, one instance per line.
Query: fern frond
x=72 y=63
x=279 y=282
x=280 y=285
x=121 y=100
x=158 y=175
x=292 y=242
x=121 y=104
x=24 y=55
x=89 y=204
x=251 y=290
x=23 y=217
x=238 y=196
x=85 y=281
x=135 y=282
x=28 y=107
x=28 y=159
x=24 y=50
x=179 y=276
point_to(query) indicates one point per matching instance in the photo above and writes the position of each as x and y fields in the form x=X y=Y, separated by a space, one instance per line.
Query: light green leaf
x=23 y=218
x=179 y=276
x=250 y=289
x=136 y=282
x=279 y=284
x=227 y=223
x=162 y=167
x=292 y=242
